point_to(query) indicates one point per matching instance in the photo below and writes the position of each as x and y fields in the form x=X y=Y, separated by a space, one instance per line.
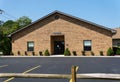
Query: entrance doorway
x=58 y=47
x=57 y=44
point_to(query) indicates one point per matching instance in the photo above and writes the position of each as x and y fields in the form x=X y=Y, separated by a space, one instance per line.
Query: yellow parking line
x=3 y=66
x=31 y=69
x=23 y=73
x=9 y=79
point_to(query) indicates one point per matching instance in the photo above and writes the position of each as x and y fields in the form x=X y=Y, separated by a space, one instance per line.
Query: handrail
x=63 y=76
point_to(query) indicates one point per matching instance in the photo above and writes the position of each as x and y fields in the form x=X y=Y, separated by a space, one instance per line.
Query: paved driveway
x=58 y=65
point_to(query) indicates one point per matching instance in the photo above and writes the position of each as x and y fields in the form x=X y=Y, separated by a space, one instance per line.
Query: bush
x=110 y=52
x=118 y=51
x=26 y=53
x=83 y=53
x=11 y=53
x=19 y=53
x=40 y=53
x=33 y=53
x=46 y=53
x=67 y=52
x=101 y=53
x=74 y=53
x=92 y=53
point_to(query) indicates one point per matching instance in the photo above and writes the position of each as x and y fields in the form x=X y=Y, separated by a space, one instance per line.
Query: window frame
x=89 y=47
x=30 y=48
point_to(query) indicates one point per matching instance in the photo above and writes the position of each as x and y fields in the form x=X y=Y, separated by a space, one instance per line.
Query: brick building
x=116 y=40
x=58 y=31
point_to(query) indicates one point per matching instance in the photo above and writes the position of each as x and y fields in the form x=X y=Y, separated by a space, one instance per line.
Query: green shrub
x=110 y=52
x=46 y=53
x=67 y=52
x=101 y=53
x=11 y=53
x=118 y=51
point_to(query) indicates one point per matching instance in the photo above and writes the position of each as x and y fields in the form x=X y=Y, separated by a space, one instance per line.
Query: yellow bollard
x=73 y=73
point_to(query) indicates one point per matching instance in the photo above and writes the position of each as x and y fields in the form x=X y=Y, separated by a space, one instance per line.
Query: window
x=118 y=44
x=30 y=46
x=87 y=45
x=57 y=17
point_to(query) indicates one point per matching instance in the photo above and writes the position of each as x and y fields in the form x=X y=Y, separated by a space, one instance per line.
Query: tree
x=23 y=21
x=5 y=45
x=1 y=22
x=8 y=27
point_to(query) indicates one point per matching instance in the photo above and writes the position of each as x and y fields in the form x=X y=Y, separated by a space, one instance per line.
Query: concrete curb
x=61 y=56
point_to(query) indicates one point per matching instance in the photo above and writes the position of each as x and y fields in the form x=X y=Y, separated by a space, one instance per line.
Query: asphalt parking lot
x=58 y=65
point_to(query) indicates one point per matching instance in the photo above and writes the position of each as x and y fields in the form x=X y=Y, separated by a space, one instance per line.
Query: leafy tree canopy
x=23 y=21
x=8 y=27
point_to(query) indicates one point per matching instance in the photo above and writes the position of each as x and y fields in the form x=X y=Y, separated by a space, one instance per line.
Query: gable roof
x=59 y=12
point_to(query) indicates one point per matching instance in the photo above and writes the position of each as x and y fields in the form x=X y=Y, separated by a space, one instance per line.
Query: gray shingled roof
x=59 y=12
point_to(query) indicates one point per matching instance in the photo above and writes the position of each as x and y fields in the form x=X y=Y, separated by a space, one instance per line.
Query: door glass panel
x=58 y=47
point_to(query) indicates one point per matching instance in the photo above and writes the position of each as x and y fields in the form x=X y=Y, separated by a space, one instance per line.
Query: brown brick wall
x=74 y=32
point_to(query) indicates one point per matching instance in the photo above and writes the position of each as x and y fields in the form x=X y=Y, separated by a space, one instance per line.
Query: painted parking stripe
x=23 y=73
x=3 y=66
x=31 y=69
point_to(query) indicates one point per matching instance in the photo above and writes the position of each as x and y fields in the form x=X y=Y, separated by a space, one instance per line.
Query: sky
x=102 y=12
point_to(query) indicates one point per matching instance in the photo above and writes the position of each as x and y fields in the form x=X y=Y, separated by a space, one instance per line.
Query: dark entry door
x=58 y=47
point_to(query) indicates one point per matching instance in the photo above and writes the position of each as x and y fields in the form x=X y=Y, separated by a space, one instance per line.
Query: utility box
x=1 y=53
